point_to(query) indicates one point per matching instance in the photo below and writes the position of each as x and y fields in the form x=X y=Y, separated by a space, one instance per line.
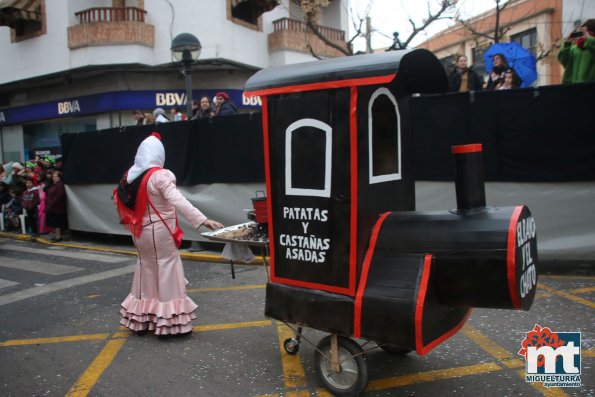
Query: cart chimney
x=469 y=176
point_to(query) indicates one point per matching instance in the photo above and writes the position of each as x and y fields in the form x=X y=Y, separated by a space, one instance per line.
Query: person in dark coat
x=204 y=108
x=463 y=79
x=225 y=106
x=5 y=196
x=55 y=206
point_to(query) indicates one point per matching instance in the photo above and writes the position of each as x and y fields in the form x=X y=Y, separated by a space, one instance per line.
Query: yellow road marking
x=486 y=344
x=588 y=352
x=57 y=339
x=87 y=380
x=546 y=391
x=581 y=290
x=293 y=370
x=513 y=363
x=495 y=350
x=300 y=393
x=323 y=393
x=216 y=289
x=568 y=296
x=567 y=277
x=430 y=376
x=216 y=327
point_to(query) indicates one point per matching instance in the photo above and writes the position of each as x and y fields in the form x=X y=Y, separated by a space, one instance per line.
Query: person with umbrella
x=498 y=73
x=463 y=79
x=577 y=55
x=509 y=82
x=501 y=57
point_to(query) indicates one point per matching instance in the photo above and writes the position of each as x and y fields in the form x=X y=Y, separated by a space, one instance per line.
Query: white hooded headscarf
x=150 y=153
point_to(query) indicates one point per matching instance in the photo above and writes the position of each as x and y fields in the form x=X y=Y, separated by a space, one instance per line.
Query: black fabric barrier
x=540 y=134
x=219 y=150
x=528 y=135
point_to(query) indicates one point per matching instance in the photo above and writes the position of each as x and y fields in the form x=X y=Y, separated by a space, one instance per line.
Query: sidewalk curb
x=184 y=255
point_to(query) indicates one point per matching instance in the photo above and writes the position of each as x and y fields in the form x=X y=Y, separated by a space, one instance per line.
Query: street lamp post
x=185 y=48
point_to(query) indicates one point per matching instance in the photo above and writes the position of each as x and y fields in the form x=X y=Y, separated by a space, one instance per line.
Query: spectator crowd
x=34 y=189
x=205 y=107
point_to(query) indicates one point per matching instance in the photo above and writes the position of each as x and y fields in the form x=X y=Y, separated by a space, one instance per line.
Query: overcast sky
x=389 y=16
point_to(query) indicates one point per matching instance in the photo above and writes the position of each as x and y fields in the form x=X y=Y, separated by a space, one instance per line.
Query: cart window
x=384 y=137
x=308 y=144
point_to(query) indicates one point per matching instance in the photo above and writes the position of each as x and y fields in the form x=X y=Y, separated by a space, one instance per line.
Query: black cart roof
x=418 y=65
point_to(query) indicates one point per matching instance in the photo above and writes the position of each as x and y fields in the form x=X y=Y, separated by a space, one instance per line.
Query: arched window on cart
x=308 y=152
x=384 y=137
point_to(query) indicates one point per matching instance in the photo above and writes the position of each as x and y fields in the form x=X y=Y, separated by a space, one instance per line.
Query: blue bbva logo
x=553 y=358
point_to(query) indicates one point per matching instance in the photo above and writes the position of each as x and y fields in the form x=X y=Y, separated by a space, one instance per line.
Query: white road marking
x=60 y=285
x=38 y=267
x=108 y=258
x=7 y=283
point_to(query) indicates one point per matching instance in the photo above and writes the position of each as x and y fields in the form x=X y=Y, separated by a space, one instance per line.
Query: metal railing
x=294 y=25
x=111 y=14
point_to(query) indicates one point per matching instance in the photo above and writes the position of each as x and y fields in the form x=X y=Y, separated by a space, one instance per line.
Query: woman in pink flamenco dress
x=146 y=198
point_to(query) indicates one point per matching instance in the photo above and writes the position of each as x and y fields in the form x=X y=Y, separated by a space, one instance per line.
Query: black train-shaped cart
x=348 y=252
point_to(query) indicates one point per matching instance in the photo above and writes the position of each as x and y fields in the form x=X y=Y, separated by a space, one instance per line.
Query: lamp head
x=185 y=47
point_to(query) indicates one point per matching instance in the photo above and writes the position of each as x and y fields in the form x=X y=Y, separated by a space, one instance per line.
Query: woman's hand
x=211 y=224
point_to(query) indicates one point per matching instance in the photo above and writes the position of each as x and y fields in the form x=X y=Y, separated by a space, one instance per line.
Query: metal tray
x=213 y=235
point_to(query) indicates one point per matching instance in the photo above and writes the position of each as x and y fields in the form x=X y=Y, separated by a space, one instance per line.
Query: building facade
x=540 y=26
x=75 y=66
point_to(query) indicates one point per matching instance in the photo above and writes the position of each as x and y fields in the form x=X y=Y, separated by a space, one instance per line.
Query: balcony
x=293 y=35
x=111 y=25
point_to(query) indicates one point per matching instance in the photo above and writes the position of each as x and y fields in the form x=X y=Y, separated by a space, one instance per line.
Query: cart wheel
x=394 y=349
x=352 y=377
x=291 y=345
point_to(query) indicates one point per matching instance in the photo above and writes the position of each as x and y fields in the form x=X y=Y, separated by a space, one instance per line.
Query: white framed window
x=323 y=132
x=384 y=137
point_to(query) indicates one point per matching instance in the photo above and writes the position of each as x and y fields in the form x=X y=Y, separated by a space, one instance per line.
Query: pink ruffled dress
x=158 y=300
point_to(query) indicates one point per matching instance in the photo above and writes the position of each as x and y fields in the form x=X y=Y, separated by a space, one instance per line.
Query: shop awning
x=13 y=10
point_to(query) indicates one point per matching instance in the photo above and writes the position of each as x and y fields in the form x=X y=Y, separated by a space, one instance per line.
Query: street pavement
x=60 y=335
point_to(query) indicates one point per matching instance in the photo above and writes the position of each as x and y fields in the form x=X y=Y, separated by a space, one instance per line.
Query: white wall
x=40 y=55
x=206 y=19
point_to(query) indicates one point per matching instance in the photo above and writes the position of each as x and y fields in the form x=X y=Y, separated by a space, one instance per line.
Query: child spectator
x=29 y=202
x=509 y=82
x=13 y=210
x=43 y=183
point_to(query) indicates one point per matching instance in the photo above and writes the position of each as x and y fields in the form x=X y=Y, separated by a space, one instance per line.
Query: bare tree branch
x=314 y=29
x=312 y=51
x=444 y=6
x=473 y=31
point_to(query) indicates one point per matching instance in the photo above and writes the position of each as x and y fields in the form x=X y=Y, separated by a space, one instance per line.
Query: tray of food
x=250 y=233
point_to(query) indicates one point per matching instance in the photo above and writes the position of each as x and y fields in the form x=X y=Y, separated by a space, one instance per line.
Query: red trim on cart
x=472 y=148
x=420 y=348
x=327 y=85
x=354 y=191
x=267 y=174
x=357 y=315
x=311 y=285
x=511 y=257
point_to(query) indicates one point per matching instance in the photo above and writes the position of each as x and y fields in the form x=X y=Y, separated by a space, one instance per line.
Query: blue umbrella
x=517 y=57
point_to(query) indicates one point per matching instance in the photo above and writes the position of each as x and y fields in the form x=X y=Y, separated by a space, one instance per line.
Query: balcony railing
x=111 y=25
x=299 y=26
x=111 y=14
